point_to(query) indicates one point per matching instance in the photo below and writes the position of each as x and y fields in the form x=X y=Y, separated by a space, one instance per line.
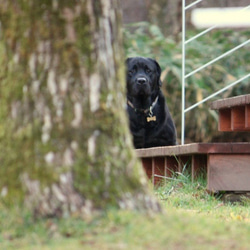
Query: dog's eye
x=148 y=70
x=130 y=72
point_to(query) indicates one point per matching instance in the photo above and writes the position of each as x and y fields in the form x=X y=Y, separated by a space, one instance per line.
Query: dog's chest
x=144 y=122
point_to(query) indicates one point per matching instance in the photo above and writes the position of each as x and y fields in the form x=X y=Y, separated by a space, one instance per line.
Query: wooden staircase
x=234 y=113
x=225 y=165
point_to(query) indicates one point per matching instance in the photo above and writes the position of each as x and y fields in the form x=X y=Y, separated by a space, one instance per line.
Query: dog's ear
x=128 y=60
x=158 y=69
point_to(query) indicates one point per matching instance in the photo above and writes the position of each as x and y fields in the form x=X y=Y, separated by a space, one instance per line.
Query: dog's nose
x=141 y=80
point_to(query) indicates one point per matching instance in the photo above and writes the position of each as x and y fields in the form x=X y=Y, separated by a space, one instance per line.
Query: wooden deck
x=225 y=165
x=234 y=113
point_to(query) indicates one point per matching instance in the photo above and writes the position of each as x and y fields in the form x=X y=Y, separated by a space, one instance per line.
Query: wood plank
x=238 y=118
x=225 y=120
x=172 y=166
x=234 y=113
x=228 y=172
x=247 y=116
x=198 y=166
x=247 y=99
x=158 y=168
x=195 y=148
x=147 y=165
x=230 y=102
x=184 y=163
x=168 y=150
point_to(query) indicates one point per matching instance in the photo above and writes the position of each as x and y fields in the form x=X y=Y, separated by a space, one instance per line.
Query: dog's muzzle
x=141 y=80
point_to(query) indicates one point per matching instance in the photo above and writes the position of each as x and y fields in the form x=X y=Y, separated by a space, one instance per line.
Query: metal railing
x=185 y=76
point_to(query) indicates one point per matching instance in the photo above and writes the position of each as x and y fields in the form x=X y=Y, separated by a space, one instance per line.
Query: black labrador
x=150 y=121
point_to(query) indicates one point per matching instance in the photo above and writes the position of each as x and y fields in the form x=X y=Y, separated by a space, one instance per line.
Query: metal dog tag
x=151 y=118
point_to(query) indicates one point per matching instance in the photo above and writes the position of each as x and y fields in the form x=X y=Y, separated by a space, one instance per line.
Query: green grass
x=193 y=219
x=183 y=195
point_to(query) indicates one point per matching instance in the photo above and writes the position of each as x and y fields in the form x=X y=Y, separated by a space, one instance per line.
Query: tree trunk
x=65 y=146
x=166 y=14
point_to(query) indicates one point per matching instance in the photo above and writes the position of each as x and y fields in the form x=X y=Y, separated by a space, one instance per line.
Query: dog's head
x=143 y=77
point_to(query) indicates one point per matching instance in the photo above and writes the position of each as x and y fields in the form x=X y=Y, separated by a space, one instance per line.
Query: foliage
x=144 y=39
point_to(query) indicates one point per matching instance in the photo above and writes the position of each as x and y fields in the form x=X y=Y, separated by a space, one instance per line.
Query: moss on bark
x=34 y=41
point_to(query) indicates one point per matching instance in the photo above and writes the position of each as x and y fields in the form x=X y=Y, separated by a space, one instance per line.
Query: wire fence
x=185 y=76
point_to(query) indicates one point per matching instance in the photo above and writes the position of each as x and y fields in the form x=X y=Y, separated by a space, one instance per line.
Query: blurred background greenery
x=150 y=39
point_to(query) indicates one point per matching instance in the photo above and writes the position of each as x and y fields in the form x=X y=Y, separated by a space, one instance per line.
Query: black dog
x=150 y=121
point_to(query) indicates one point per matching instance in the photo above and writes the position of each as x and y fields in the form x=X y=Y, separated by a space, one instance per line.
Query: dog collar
x=148 y=111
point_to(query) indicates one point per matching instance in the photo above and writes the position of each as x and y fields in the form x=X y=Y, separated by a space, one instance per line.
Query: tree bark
x=166 y=14
x=65 y=143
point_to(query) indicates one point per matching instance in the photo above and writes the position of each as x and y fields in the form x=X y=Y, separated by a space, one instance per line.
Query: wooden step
x=234 y=113
x=226 y=166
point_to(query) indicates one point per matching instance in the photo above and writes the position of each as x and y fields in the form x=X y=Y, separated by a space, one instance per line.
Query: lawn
x=192 y=219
